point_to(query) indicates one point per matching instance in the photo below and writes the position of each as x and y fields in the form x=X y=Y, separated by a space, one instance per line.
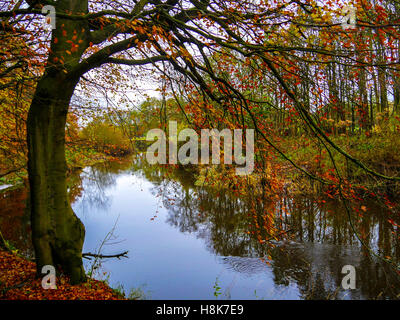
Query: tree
x=57 y=233
x=90 y=34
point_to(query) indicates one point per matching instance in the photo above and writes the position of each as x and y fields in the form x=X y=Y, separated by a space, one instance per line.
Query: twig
x=11 y=171
x=16 y=286
x=102 y=256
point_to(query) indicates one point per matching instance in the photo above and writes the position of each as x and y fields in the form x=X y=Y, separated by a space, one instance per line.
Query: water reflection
x=15 y=219
x=155 y=203
x=323 y=240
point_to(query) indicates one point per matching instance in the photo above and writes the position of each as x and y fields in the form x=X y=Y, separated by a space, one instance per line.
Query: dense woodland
x=321 y=91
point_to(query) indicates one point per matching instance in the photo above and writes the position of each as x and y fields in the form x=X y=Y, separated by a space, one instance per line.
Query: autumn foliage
x=319 y=96
x=18 y=281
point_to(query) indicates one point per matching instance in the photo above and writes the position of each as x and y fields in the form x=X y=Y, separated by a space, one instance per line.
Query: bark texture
x=57 y=233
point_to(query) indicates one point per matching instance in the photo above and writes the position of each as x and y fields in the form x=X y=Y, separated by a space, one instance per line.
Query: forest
x=84 y=82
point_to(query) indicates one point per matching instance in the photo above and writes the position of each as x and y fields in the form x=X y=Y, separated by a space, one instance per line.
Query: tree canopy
x=275 y=66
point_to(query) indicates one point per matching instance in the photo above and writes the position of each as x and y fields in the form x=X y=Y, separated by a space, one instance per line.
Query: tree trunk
x=57 y=233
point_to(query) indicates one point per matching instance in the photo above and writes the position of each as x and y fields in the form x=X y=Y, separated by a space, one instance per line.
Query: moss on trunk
x=57 y=233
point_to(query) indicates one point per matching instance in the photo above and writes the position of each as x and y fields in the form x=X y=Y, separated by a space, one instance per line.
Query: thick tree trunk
x=57 y=233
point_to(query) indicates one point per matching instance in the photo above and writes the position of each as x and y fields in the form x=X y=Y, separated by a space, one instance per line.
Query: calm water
x=184 y=242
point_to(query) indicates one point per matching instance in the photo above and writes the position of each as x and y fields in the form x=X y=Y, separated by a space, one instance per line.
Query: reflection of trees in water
x=15 y=220
x=322 y=244
x=184 y=216
x=89 y=185
x=219 y=221
x=95 y=181
x=323 y=241
x=316 y=269
x=328 y=223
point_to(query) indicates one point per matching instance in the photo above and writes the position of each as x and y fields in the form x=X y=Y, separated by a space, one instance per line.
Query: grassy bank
x=276 y=175
x=77 y=156
x=375 y=151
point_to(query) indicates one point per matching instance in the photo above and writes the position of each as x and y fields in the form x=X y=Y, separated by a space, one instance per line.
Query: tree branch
x=87 y=255
x=131 y=62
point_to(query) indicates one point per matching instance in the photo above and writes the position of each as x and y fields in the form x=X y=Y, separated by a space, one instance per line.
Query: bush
x=105 y=137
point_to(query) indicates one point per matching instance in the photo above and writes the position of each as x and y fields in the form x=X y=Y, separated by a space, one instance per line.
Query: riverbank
x=374 y=151
x=18 y=281
x=307 y=230
x=77 y=157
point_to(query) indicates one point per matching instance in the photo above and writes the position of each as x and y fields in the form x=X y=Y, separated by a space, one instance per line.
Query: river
x=184 y=242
